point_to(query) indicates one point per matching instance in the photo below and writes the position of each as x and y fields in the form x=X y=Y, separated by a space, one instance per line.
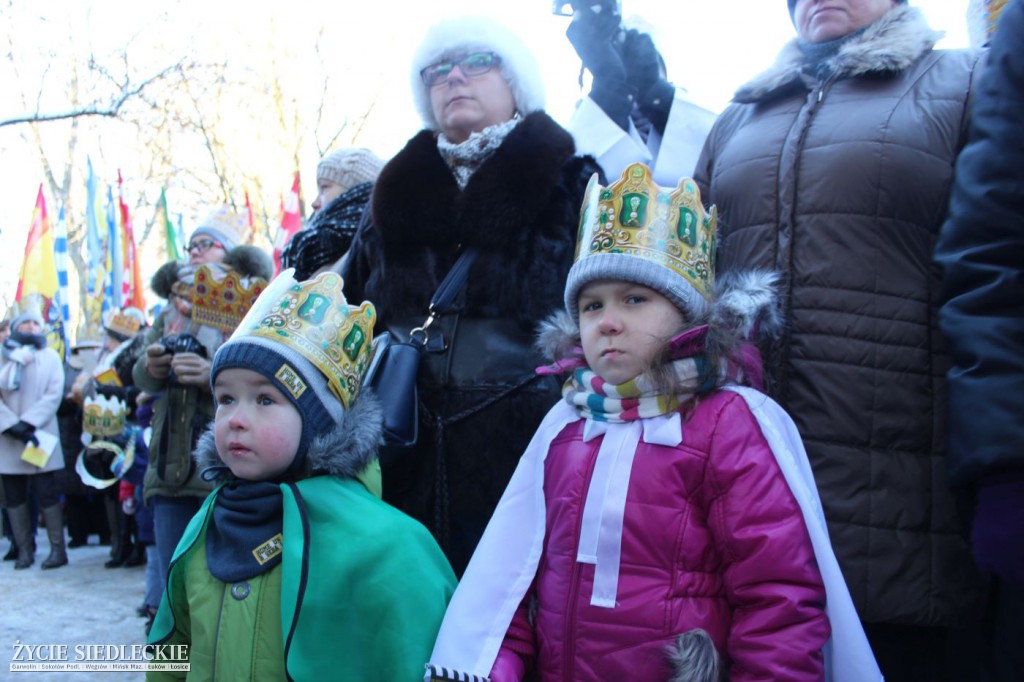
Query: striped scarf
x=596 y=399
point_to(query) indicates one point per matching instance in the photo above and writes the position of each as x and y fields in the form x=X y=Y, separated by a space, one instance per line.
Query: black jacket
x=479 y=400
x=981 y=249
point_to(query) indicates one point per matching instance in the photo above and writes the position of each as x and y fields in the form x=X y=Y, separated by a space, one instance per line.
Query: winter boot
x=12 y=552
x=21 y=525
x=54 y=518
x=121 y=536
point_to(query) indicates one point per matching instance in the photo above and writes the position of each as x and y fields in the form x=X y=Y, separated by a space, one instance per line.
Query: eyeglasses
x=475 y=64
x=202 y=245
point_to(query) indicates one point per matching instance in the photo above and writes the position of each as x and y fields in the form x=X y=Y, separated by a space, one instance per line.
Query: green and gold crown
x=633 y=216
x=220 y=299
x=313 y=319
x=104 y=417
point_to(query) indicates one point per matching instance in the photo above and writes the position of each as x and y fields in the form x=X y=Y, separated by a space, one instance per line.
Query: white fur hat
x=453 y=37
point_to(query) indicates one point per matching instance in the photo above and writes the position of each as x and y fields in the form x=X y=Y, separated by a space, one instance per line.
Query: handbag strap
x=447 y=291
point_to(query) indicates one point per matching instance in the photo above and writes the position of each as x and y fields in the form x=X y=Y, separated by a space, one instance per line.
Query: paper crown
x=220 y=299
x=125 y=323
x=104 y=417
x=635 y=217
x=313 y=319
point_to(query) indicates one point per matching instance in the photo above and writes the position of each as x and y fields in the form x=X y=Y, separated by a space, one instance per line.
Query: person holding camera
x=176 y=365
x=632 y=114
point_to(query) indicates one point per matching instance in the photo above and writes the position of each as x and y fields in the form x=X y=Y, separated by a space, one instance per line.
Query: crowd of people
x=707 y=397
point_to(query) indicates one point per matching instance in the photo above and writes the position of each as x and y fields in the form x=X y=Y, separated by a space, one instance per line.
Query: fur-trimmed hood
x=891 y=44
x=248 y=261
x=745 y=303
x=344 y=451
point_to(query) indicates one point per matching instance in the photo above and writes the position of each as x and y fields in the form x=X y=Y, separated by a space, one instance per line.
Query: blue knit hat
x=310 y=344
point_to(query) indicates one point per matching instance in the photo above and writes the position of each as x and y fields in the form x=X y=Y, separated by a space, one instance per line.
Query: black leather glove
x=593 y=35
x=24 y=432
x=643 y=72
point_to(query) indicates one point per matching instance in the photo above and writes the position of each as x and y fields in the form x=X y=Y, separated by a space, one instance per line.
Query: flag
x=96 y=303
x=133 y=289
x=172 y=244
x=291 y=221
x=251 y=236
x=115 y=258
x=60 y=258
x=38 y=271
x=38 y=277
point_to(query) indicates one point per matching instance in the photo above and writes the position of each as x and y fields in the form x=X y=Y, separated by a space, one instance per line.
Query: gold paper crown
x=125 y=322
x=634 y=216
x=104 y=417
x=314 y=319
x=222 y=301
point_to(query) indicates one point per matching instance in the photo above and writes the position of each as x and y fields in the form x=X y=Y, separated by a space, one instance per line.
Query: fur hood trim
x=344 y=451
x=250 y=261
x=417 y=202
x=890 y=45
x=746 y=303
x=164 y=278
x=694 y=658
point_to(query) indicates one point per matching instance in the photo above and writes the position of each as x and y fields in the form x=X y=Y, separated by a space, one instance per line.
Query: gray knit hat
x=454 y=37
x=223 y=225
x=635 y=231
x=349 y=167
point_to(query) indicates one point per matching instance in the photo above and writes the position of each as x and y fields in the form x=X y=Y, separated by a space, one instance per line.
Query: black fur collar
x=417 y=202
x=892 y=44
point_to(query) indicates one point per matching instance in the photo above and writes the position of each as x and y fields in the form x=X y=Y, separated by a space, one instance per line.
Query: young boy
x=293 y=567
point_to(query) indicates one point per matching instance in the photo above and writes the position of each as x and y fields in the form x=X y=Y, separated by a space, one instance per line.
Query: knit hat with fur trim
x=349 y=167
x=223 y=225
x=458 y=37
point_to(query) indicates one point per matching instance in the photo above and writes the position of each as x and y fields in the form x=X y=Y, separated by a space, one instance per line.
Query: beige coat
x=42 y=387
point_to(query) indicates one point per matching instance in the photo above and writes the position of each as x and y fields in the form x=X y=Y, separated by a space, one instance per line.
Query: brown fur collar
x=891 y=44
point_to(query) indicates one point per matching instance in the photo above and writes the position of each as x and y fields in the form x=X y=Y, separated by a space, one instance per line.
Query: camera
x=565 y=8
x=183 y=343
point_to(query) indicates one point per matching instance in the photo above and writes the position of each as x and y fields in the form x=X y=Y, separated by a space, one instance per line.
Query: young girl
x=663 y=523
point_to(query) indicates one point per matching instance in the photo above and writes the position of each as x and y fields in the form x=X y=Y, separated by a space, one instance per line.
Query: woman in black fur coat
x=492 y=171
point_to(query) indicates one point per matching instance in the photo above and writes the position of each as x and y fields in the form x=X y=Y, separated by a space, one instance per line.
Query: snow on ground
x=82 y=603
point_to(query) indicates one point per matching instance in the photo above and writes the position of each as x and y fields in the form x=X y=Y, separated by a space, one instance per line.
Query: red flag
x=38 y=270
x=252 y=230
x=291 y=221
x=132 y=287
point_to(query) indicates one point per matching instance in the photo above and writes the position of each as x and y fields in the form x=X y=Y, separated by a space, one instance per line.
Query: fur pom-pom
x=694 y=658
x=557 y=336
x=164 y=278
x=747 y=304
x=250 y=261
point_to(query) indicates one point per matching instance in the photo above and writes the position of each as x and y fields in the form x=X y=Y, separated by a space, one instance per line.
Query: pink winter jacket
x=712 y=538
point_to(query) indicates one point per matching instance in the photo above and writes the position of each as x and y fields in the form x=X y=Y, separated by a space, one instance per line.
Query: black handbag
x=395 y=367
